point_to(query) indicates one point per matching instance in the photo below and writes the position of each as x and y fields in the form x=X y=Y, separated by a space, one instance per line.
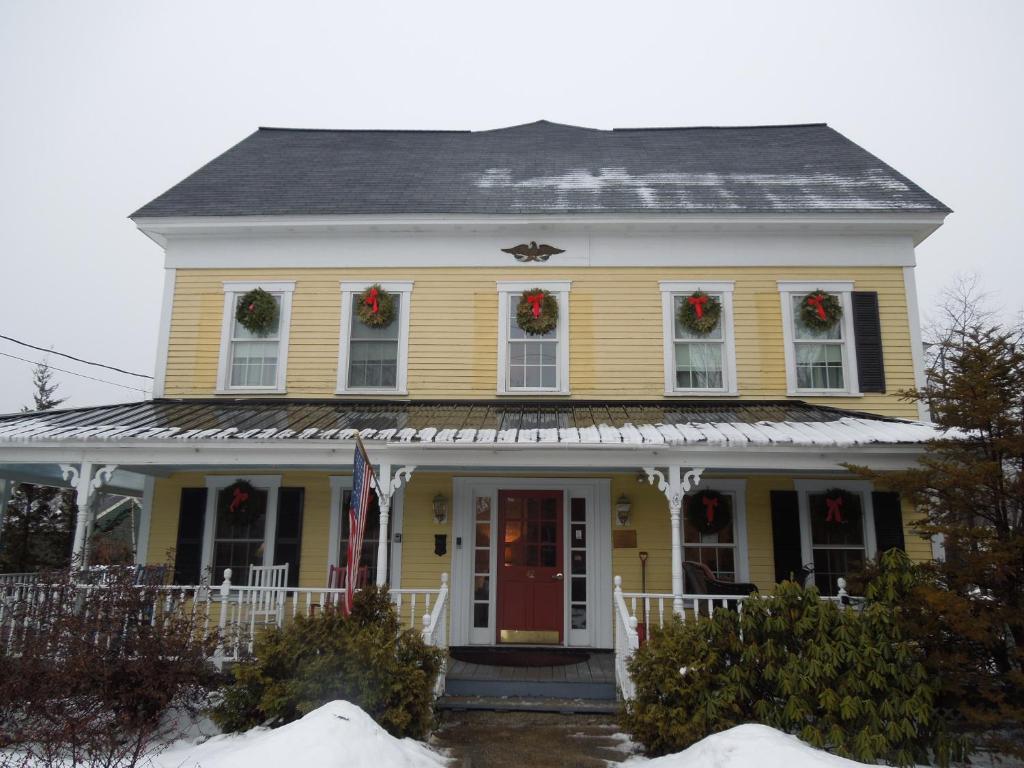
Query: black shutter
x=288 y=537
x=786 y=535
x=888 y=521
x=867 y=336
x=188 y=552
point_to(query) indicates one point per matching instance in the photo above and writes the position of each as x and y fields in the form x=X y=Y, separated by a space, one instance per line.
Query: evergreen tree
x=968 y=610
x=40 y=521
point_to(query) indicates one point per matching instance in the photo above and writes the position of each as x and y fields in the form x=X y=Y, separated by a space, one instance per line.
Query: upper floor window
x=250 y=361
x=374 y=359
x=527 y=362
x=818 y=361
x=698 y=363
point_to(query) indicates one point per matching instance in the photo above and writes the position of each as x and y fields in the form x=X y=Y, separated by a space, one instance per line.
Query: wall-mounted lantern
x=622 y=509
x=440 y=504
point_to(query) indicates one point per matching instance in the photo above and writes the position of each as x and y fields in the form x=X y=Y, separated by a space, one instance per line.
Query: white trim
x=738 y=489
x=231 y=289
x=216 y=483
x=597 y=492
x=669 y=290
x=561 y=288
x=916 y=342
x=788 y=289
x=164 y=337
x=861 y=487
x=348 y=290
x=145 y=520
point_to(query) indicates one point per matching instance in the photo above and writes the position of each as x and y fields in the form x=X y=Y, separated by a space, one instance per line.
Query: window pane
x=532 y=360
x=373 y=364
x=253 y=363
x=238 y=534
x=239 y=331
x=819 y=366
x=699 y=365
x=682 y=332
x=844 y=527
x=361 y=331
x=480 y=611
x=803 y=331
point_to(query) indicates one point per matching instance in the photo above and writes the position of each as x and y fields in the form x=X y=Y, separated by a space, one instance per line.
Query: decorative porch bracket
x=85 y=483
x=675 y=487
x=387 y=486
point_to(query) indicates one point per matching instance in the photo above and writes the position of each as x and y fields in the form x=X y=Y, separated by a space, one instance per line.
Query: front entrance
x=531 y=579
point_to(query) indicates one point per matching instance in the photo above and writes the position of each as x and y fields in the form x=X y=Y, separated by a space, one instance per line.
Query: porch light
x=622 y=509
x=440 y=504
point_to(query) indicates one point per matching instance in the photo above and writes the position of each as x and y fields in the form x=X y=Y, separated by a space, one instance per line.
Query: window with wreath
x=373 y=351
x=254 y=340
x=699 y=357
x=254 y=357
x=533 y=329
x=371 y=538
x=837 y=536
x=374 y=337
x=239 y=538
x=820 y=352
x=709 y=533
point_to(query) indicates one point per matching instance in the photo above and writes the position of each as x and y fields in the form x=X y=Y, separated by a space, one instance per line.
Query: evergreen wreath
x=838 y=503
x=820 y=310
x=537 y=312
x=706 y=511
x=700 y=313
x=257 y=312
x=240 y=493
x=376 y=307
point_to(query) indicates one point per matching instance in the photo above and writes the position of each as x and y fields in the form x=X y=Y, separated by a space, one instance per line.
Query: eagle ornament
x=532 y=251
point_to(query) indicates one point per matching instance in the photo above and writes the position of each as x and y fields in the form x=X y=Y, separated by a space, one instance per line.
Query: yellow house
x=572 y=355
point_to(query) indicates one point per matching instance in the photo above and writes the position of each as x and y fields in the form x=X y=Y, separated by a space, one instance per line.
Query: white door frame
x=342 y=483
x=597 y=492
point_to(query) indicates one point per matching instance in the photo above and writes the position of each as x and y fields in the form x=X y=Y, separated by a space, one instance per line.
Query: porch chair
x=267 y=599
x=700 y=580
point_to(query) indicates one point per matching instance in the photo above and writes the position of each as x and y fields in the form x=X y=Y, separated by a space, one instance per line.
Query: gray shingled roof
x=544 y=168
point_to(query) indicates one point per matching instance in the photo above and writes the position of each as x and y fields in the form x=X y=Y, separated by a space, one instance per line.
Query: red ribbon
x=371 y=299
x=252 y=307
x=835 y=509
x=698 y=302
x=710 y=502
x=240 y=497
x=817 y=301
x=535 y=300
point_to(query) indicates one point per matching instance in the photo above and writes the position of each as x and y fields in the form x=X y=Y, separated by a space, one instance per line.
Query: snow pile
x=335 y=735
x=748 y=745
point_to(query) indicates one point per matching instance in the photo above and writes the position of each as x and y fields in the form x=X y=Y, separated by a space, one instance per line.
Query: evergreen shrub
x=848 y=680
x=365 y=658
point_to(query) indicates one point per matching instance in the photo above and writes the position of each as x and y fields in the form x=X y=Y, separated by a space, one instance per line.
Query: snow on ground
x=336 y=735
x=747 y=746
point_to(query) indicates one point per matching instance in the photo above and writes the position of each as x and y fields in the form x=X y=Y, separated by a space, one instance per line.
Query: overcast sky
x=104 y=105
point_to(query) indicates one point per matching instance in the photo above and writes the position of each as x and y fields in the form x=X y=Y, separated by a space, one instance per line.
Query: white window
x=532 y=363
x=238 y=539
x=696 y=363
x=725 y=551
x=248 y=362
x=818 y=362
x=374 y=360
x=838 y=541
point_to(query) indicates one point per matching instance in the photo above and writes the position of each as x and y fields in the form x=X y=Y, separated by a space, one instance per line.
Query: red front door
x=531 y=584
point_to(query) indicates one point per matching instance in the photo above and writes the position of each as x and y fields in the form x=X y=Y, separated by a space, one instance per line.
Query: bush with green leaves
x=846 y=680
x=365 y=658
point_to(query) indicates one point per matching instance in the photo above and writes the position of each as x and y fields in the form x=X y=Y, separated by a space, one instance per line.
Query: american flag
x=362 y=480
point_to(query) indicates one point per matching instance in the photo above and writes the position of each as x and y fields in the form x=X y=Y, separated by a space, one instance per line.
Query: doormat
x=519 y=657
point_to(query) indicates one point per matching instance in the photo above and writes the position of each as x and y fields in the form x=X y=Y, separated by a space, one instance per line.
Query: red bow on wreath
x=239 y=498
x=371 y=299
x=252 y=308
x=710 y=503
x=835 y=510
x=698 y=302
x=817 y=301
x=535 y=300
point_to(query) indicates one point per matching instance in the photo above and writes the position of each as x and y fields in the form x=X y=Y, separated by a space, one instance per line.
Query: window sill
x=252 y=391
x=533 y=393
x=822 y=393
x=371 y=392
x=701 y=393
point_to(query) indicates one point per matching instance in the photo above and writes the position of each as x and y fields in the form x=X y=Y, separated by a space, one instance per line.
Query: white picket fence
x=238 y=613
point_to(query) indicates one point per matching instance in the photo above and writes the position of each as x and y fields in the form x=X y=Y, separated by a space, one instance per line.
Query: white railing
x=435 y=630
x=15 y=579
x=626 y=642
x=238 y=613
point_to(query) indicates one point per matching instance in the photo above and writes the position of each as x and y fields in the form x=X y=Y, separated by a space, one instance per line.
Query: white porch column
x=387 y=486
x=85 y=484
x=675 y=487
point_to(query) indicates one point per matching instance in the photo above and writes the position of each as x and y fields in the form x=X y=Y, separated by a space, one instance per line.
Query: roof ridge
x=725 y=127
x=361 y=130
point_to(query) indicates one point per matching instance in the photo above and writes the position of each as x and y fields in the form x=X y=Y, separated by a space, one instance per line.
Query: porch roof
x=465 y=423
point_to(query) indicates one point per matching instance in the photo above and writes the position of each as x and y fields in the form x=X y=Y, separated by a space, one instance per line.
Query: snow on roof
x=337 y=735
x=789 y=423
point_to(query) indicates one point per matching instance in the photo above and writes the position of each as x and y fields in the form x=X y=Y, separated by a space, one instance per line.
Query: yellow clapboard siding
x=615 y=333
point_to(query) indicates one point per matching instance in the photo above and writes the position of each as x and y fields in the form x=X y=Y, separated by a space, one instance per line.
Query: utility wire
x=76 y=359
x=73 y=373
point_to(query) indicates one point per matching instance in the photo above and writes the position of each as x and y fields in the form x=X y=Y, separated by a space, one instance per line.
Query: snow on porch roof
x=786 y=423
